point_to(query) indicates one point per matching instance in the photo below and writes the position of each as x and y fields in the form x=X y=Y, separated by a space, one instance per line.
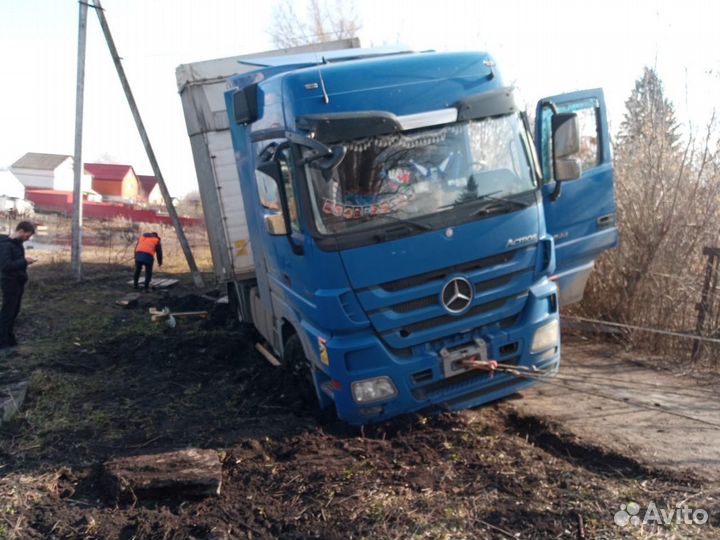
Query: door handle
x=606 y=220
x=286 y=279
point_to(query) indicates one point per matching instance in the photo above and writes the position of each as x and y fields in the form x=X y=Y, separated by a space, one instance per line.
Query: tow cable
x=493 y=366
x=540 y=375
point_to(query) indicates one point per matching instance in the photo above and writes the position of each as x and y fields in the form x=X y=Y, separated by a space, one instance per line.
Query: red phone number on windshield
x=348 y=211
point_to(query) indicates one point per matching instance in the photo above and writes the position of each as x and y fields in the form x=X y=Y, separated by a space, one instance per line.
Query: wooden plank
x=183 y=474
x=159 y=283
x=201 y=314
x=159 y=315
x=164 y=283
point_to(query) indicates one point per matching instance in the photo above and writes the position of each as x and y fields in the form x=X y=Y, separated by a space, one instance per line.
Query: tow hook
x=481 y=365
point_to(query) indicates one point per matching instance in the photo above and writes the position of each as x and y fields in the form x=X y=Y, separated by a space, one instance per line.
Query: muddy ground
x=664 y=414
x=106 y=382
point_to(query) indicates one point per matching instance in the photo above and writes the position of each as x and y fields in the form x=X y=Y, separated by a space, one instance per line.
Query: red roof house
x=115 y=182
x=150 y=190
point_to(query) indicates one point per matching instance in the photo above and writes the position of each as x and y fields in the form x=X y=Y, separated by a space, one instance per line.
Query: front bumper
x=423 y=380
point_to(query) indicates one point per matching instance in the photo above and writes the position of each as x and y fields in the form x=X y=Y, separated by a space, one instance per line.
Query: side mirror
x=272 y=169
x=328 y=163
x=278 y=224
x=245 y=104
x=566 y=143
x=275 y=224
x=568 y=169
x=269 y=178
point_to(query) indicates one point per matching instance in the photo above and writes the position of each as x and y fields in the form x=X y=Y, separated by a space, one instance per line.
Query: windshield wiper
x=466 y=201
x=484 y=210
x=416 y=224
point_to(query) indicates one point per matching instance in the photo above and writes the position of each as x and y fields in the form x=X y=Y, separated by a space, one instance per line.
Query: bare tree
x=322 y=21
x=190 y=205
x=667 y=188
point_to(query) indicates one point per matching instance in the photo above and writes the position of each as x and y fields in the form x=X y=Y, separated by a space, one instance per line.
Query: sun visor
x=493 y=103
x=330 y=128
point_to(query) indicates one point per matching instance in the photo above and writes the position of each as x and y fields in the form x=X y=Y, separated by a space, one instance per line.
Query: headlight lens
x=546 y=336
x=371 y=390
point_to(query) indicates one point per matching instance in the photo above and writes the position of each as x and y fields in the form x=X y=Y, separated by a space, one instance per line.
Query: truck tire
x=298 y=364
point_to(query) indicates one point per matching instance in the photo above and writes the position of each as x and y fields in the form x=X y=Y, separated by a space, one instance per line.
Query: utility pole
x=197 y=278
x=76 y=256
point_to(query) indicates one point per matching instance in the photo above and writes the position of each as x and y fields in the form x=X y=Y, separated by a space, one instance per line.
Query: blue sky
x=543 y=47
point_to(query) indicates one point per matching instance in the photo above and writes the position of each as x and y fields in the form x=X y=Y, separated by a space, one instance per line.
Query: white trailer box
x=202 y=86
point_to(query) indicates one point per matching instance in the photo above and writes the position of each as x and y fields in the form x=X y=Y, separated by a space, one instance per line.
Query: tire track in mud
x=562 y=444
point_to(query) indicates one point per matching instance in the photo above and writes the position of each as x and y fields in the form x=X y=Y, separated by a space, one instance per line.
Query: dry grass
x=667 y=191
x=113 y=243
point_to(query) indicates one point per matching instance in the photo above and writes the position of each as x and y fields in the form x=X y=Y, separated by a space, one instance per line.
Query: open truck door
x=573 y=144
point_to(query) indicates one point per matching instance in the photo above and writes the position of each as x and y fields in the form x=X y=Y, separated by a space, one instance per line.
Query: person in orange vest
x=148 y=247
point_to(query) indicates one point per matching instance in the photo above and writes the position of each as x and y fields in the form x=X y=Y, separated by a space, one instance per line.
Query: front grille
x=486 y=285
x=409 y=329
x=409 y=312
x=412 y=305
x=420 y=279
x=427 y=301
x=505 y=323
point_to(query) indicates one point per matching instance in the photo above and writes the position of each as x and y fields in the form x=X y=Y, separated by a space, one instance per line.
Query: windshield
x=419 y=173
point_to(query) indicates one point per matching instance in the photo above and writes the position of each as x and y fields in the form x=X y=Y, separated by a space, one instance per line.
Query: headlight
x=371 y=390
x=546 y=336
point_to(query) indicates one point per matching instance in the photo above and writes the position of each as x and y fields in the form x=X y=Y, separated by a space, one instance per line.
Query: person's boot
x=12 y=342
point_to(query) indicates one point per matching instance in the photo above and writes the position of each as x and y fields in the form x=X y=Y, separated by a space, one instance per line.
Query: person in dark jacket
x=148 y=247
x=13 y=276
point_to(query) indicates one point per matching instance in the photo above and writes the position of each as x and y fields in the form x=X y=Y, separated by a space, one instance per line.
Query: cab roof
x=400 y=83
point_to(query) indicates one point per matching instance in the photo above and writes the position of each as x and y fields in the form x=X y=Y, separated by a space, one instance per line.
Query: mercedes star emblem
x=457 y=294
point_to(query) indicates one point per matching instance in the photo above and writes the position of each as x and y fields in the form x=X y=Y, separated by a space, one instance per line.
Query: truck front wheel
x=299 y=366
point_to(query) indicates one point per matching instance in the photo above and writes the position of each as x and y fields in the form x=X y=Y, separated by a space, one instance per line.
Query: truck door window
x=589 y=155
x=286 y=170
x=267 y=191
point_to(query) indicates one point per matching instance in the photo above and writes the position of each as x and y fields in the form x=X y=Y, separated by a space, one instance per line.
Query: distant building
x=10 y=186
x=115 y=182
x=151 y=190
x=47 y=171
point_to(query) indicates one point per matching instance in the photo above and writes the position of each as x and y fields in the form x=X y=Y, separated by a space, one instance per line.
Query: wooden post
x=76 y=255
x=197 y=278
x=706 y=298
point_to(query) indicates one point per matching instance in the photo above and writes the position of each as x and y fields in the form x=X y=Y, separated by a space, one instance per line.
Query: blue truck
x=404 y=221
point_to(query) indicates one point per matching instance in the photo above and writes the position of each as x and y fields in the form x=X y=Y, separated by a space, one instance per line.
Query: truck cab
x=403 y=219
